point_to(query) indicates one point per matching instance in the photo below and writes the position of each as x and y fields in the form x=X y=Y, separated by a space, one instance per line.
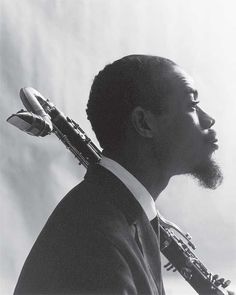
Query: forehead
x=180 y=81
x=181 y=89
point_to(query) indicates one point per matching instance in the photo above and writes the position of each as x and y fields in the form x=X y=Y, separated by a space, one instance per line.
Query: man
x=99 y=240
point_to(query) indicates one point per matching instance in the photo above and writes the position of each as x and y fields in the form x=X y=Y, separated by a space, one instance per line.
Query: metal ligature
x=43 y=118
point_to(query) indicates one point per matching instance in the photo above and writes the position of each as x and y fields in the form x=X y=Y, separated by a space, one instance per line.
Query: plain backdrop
x=58 y=47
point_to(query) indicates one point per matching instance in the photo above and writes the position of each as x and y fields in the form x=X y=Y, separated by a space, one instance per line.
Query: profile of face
x=185 y=134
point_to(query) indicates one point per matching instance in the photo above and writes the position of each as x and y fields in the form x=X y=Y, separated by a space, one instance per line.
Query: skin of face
x=183 y=135
x=181 y=140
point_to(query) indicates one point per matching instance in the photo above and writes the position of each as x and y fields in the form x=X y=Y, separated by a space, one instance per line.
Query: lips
x=212 y=139
x=214 y=144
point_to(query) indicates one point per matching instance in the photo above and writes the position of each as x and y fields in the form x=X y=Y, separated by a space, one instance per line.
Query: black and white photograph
x=118 y=147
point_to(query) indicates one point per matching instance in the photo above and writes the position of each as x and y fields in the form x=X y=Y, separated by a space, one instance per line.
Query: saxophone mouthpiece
x=30 y=123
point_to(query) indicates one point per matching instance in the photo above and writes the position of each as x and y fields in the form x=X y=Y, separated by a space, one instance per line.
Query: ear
x=142 y=120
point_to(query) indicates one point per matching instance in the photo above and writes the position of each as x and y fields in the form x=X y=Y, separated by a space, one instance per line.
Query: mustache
x=211 y=136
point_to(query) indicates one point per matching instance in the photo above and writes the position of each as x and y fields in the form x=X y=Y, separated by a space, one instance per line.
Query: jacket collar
x=114 y=191
x=136 y=188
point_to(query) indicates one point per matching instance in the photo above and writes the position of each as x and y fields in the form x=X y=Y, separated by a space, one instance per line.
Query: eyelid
x=195 y=102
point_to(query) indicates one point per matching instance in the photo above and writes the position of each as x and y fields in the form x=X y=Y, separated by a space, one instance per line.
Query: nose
x=206 y=121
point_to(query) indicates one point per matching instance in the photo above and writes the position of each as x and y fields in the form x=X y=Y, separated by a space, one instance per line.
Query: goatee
x=208 y=174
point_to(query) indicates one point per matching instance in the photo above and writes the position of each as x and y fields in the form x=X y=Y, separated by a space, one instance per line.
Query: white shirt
x=135 y=187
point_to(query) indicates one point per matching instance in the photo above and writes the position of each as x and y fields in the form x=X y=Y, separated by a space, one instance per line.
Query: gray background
x=57 y=47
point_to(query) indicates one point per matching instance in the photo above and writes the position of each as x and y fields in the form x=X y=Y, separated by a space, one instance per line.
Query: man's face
x=185 y=134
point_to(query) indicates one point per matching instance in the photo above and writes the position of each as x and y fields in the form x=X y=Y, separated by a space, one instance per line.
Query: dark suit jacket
x=97 y=241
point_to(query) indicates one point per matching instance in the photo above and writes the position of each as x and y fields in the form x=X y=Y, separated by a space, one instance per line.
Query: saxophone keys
x=186 y=273
x=170 y=266
x=167 y=265
x=226 y=284
x=215 y=277
x=188 y=236
x=219 y=282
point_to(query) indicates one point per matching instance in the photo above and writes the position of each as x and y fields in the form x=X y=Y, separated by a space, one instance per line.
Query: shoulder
x=83 y=236
x=87 y=240
x=86 y=213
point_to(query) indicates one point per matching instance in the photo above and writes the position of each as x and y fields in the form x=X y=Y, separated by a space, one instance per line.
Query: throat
x=148 y=174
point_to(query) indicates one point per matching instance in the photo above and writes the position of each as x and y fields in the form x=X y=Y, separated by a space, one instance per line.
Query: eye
x=193 y=105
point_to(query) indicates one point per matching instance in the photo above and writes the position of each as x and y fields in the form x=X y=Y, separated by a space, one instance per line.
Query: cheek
x=185 y=133
x=180 y=135
x=194 y=119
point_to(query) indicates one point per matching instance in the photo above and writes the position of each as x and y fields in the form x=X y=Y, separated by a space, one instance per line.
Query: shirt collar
x=135 y=187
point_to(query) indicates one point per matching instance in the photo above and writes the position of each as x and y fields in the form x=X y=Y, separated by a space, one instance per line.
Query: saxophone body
x=43 y=118
x=183 y=260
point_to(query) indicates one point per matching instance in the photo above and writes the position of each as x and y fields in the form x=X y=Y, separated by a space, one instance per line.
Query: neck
x=153 y=177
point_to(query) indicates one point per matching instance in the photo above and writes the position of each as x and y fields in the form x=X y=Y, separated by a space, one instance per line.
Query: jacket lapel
x=151 y=249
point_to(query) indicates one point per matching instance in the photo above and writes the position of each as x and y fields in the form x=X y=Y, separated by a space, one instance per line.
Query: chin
x=208 y=174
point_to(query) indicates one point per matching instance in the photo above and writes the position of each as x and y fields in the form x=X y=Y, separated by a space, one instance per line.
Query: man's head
x=150 y=102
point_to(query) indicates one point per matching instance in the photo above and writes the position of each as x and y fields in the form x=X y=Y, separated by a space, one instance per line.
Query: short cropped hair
x=135 y=80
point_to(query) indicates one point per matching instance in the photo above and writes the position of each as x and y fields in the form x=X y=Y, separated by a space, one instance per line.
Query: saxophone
x=43 y=118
